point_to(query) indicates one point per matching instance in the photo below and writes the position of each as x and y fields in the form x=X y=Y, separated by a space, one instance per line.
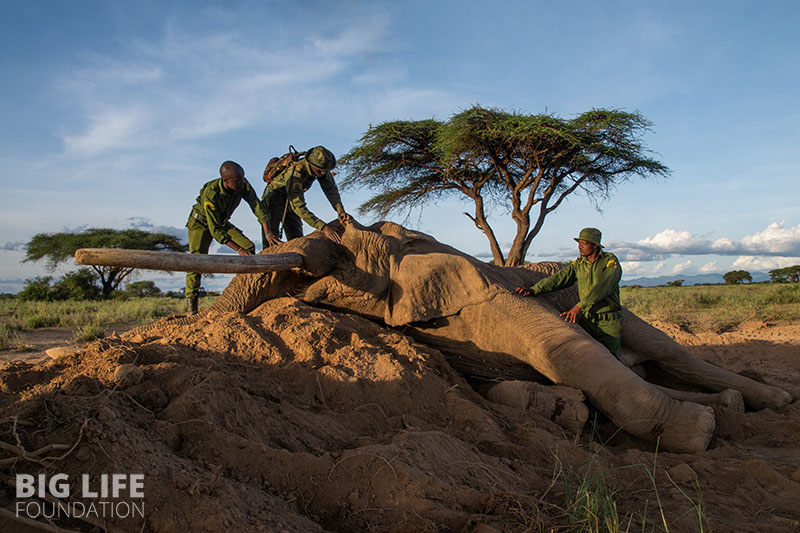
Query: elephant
x=465 y=307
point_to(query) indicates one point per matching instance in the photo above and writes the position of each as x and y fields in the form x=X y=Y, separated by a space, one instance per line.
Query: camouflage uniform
x=284 y=198
x=209 y=219
x=598 y=290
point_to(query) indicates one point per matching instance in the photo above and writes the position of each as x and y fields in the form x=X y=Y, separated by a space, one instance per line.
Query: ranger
x=210 y=216
x=284 y=196
x=597 y=274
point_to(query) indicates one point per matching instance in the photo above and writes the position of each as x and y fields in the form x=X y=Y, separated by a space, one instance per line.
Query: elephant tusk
x=182 y=262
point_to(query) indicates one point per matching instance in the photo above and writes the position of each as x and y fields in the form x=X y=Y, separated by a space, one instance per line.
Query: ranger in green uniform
x=285 y=199
x=218 y=199
x=597 y=274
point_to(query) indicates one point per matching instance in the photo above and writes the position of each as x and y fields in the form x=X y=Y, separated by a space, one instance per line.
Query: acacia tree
x=785 y=275
x=737 y=276
x=527 y=164
x=55 y=248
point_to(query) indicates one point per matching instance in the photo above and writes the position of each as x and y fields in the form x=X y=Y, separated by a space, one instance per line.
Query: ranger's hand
x=345 y=218
x=242 y=251
x=330 y=233
x=522 y=291
x=572 y=314
x=273 y=239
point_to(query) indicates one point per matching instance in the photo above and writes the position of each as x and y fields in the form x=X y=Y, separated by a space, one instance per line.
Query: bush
x=37 y=288
x=142 y=289
x=77 y=285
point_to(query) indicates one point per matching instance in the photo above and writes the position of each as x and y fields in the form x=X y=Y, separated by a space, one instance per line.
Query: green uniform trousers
x=199 y=242
x=276 y=203
x=606 y=329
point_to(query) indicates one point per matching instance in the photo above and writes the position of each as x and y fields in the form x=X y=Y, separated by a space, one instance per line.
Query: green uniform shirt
x=296 y=180
x=598 y=283
x=215 y=205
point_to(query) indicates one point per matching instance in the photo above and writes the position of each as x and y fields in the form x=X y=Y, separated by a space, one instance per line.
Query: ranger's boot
x=191 y=305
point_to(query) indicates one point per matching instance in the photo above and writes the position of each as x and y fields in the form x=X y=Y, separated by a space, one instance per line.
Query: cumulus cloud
x=709 y=268
x=775 y=240
x=749 y=262
x=633 y=268
x=681 y=268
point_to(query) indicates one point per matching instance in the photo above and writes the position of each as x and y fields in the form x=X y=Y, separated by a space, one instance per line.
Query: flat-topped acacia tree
x=526 y=164
x=55 y=248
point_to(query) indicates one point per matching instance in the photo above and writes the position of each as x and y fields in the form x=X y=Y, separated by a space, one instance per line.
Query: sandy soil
x=294 y=418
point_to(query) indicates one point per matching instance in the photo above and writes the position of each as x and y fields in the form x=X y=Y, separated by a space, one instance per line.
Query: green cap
x=321 y=158
x=590 y=235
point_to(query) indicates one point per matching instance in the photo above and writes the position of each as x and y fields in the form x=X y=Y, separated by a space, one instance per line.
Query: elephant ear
x=430 y=279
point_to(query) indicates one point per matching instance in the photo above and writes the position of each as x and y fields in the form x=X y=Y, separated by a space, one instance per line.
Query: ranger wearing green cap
x=597 y=274
x=209 y=220
x=285 y=200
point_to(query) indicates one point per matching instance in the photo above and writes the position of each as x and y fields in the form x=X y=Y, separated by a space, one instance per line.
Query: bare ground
x=294 y=418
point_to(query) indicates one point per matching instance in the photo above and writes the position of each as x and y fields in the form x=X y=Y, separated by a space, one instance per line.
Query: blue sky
x=116 y=113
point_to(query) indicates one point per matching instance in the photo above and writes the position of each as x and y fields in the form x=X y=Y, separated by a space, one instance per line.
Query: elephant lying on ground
x=464 y=306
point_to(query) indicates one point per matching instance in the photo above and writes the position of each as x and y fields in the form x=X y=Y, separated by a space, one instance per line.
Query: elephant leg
x=729 y=398
x=679 y=362
x=563 y=405
x=529 y=330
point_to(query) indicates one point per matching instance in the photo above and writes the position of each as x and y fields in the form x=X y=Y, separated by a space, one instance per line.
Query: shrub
x=77 y=285
x=142 y=289
x=37 y=288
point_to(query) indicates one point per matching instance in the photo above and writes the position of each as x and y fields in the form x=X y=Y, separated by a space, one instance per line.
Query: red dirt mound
x=294 y=418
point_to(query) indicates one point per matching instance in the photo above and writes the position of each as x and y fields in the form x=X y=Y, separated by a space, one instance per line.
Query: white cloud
x=658 y=267
x=710 y=267
x=632 y=268
x=681 y=268
x=775 y=239
x=193 y=83
x=108 y=129
x=670 y=241
x=749 y=262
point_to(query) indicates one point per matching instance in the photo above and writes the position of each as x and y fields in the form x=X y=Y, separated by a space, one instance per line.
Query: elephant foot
x=563 y=405
x=731 y=399
x=689 y=428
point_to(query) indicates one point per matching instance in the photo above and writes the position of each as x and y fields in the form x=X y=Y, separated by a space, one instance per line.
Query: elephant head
x=465 y=307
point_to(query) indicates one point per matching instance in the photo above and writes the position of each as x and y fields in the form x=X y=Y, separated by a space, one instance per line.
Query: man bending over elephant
x=284 y=196
x=597 y=274
x=209 y=219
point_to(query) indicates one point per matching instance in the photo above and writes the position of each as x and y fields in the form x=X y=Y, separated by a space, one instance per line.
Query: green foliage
x=737 y=276
x=785 y=275
x=76 y=285
x=55 y=248
x=520 y=163
x=37 y=288
x=142 y=289
x=675 y=283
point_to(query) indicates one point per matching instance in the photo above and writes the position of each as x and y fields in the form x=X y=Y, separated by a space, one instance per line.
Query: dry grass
x=715 y=307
